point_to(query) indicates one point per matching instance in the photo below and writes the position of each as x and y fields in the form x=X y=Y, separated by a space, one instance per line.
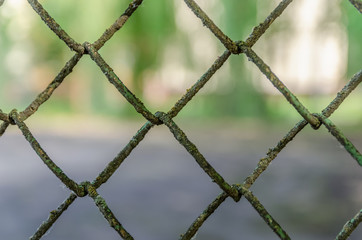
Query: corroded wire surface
x=235 y=191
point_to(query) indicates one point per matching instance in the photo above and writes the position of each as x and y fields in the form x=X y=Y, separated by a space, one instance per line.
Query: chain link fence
x=234 y=191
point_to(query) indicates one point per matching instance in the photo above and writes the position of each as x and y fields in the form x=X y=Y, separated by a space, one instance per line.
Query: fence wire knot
x=12 y=116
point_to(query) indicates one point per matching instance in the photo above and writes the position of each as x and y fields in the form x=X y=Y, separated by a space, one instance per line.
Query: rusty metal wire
x=235 y=191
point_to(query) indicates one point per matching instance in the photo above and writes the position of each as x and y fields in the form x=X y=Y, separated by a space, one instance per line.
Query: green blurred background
x=159 y=53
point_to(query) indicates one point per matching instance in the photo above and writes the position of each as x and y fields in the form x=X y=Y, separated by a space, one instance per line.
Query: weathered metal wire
x=107 y=213
x=235 y=191
x=259 y=30
x=3 y=117
x=55 y=27
x=224 y=39
x=264 y=213
x=278 y=84
x=271 y=155
x=350 y=226
x=44 y=156
x=191 y=92
x=53 y=217
x=113 y=78
x=46 y=94
x=343 y=94
x=3 y=128
x=357 y=4
x=200 y=159
x=117 y=24
x=117 y=161
x=338 y=134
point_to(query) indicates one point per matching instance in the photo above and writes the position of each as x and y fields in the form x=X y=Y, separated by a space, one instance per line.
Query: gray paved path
x=312 y=188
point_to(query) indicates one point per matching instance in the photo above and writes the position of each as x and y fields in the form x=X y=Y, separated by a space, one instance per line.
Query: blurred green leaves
x=157 y=36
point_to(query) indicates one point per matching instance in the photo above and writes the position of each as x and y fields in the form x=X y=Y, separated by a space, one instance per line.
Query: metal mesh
x=235 y=191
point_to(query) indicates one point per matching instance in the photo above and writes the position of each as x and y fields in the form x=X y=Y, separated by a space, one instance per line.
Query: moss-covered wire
x=200 y=159
x=271 y=155
x=191 y=92
x=117 y=24
x=338 y=134
x=224 y=39
x=107 y=213
x=53 y=217
x=233 y=47
x=273 y=224
x=45 y=95
x=254 y=36
x=4 y=117
x=343 y=94
x=249 y=181
x=350 y=226
x=55 y=27
x=44 y=156
x=199 y=221
x=3 y=128
x=117 y=161
x=357 y=4
x=292 y=99
x=6 y=122
x=259 y=30
x=113 y=78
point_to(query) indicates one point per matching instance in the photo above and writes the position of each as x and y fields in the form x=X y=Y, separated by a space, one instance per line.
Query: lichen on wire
x=235 y=191
x=350 y=226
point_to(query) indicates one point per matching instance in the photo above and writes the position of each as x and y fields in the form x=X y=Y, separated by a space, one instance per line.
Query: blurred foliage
x=137 y=52
x=352 y=20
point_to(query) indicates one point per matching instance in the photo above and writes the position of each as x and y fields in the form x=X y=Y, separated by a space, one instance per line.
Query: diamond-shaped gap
x=81 y=145
x=182 y=67
x=88 y=20
x=310 y=188
x=237 y=221
x=310 y=58
x=73 y=96
x=164 y=57
x=159 y=190
x=228 y=95
x=233 y=147
x=82 y=220
x=87 y=91
x=28 y=189
x=235 y=18
x=136 y=52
